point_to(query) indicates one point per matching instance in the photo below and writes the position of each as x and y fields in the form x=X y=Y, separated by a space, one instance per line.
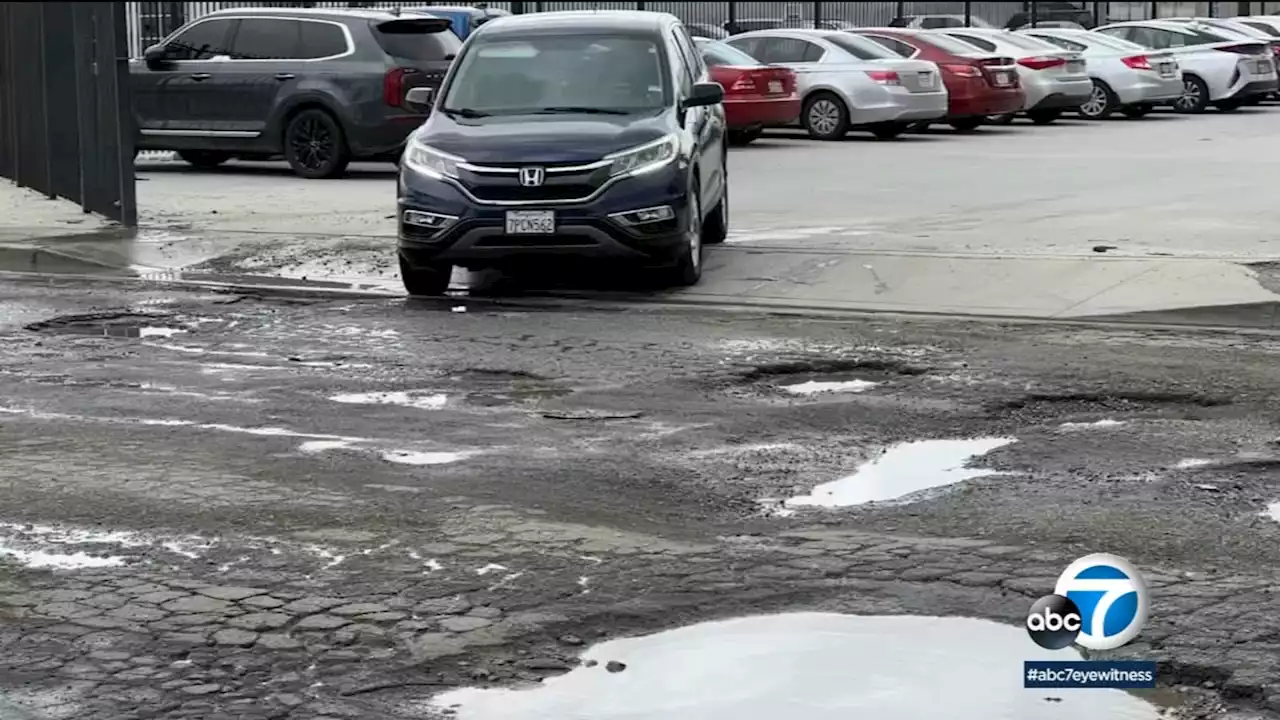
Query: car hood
x=543 y=139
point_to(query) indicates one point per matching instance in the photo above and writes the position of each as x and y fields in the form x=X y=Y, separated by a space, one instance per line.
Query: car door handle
x=284 y=76
x=201 y=76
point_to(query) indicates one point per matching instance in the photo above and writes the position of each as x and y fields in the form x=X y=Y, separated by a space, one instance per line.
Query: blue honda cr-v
x=579 y=134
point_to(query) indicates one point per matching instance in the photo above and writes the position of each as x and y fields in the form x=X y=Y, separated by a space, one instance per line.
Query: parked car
x=1127 y=78
x=703 y=30
x=463 y=20
x=756 y=96
x=320 y=87
x=1054 y=80
x=1235 y=28
x=1269 y=24
x=846 y=81
x=1051 y=12
x=564 y=135
x=1217 y=69
x=933 y=22
x=978 y=84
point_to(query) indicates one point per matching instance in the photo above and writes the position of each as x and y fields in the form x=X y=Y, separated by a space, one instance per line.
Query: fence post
x=733 y=16
x=1155 y=9
x=968 y=13
x=1035 y=4
x=640 y=4
x=817 y=14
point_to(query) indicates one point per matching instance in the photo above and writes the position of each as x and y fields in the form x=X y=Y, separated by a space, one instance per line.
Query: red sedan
x=979 y=85
x=756 y=96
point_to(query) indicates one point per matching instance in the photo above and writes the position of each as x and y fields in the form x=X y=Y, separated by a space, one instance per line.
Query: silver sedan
x=1126 y=77
x=846 y=81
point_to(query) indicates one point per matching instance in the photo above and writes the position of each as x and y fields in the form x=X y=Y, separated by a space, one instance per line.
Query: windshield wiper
x=463 y=112
x=574 y=109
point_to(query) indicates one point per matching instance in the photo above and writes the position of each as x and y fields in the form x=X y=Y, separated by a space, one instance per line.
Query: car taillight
x=744 y=84
x=1042 y=63
x=393 y=86
x=1137 y=62
x=884 y=77
x=962 y=70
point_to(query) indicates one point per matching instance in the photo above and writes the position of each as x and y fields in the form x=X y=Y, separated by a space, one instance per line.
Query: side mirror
x=154 y=56
x=706 y=93
x=419 y=99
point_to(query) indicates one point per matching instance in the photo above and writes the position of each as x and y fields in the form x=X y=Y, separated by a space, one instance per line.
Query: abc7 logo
x=1100 y=603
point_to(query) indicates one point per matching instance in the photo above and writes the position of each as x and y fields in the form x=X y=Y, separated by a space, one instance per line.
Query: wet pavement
x=221 y=505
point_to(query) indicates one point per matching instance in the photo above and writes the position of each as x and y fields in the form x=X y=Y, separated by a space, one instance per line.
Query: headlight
x=431 y=162
x=645 y=158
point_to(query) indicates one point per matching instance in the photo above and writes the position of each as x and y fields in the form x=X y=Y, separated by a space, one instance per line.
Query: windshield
x=722 y=54
x=1026 y=42
x=500 y=75
x=951 y=45
x=1115 y=43
x=861 y=47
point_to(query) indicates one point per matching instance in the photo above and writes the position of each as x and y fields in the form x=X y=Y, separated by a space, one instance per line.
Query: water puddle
x=421 y=401
x=58 y=561
x=815 y=666
x=902 y=470
x=410 y=457
x=1106 y=422
x=1192 y=463
x=814 y=387
x=1273 y=511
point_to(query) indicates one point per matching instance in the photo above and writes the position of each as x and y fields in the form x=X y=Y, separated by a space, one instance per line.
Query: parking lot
x=1077 y=217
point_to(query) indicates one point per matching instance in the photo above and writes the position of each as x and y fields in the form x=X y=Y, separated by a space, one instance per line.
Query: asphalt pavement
x=221 y=505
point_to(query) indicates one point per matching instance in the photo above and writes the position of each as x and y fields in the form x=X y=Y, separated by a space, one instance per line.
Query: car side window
x=266 y=39
x=894 y=44
x=685 y=71
x=202 y=41
x=320 y=40
x=699 y=65
x=750 y=46
x=1061 y=42
x=788 y=50
x=975 y=41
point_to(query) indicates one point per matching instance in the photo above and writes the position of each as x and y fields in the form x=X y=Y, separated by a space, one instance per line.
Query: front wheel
x=968 y=124
x=1101 y=103
x=687 y=270
x=825 y=117
x=425 y=280
x=314 y=145
x=889 y=130
x=1044 y=117
x=716 y=229
x=1195 y=95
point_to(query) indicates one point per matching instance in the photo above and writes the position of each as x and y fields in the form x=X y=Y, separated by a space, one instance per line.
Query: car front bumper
x=476 y=233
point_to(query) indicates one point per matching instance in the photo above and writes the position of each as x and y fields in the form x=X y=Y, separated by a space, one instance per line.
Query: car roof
x=896 y=30
x=798 y=32
x=323 y=13
x=583 y=20
x=1159 y=23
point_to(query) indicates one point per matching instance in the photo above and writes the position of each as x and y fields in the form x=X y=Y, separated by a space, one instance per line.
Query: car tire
x=888 y=130
x=738 y=138
x=687 y=269
x=716 y=227
x=1135 y=111
x=203 y=159
x=1006 y=119
x=825 y=117
x=425 y=280
x=1195 y=95
x=315 y=146
x=1101 y=104
x=966 y=124
x=1044 y=117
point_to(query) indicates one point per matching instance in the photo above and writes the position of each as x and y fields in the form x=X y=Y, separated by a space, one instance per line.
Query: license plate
x=1075 y=66
x=1166 y=69
x=775 y=87
x=926 y=79
x=1002 y=78
x=1264 y=66
x=531 y=222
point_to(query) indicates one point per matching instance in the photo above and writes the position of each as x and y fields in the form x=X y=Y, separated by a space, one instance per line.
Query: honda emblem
x=532 y=176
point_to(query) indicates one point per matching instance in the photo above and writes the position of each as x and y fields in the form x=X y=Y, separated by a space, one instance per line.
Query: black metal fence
x=64 y=120
x=151 y=21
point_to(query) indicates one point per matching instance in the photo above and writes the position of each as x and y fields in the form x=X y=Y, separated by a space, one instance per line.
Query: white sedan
x=1126 y=77
x=1218 y=70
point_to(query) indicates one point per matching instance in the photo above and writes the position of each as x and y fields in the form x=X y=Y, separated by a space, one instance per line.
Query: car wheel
x=738 y=138
x=1101 y=103
x=687 y=270
x=1231 y=105
x=1195 y=95
x=825 y=117
x=1135 y=111
x=1006 y=119
x=204 y=159
x=1044 y=117
x=888 y=131
x=716 y=228
x=314 y=145
x=967 y=124
x=426 y=280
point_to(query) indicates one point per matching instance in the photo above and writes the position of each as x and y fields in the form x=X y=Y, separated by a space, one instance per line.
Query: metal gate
x=64 y=111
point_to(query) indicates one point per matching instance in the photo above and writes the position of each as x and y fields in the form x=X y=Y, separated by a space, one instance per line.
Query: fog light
x=432 y=221
x=645 y=215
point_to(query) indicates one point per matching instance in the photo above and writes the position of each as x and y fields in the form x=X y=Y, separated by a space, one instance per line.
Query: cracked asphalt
x=227 y=506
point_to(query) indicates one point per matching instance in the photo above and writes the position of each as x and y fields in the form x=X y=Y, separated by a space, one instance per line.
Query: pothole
x=829 y=384
x=816 y=666
x=904 y=470
x=111 y=325
x=1050 y=405
x=861 y=369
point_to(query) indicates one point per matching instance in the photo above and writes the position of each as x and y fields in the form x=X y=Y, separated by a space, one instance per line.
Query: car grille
x=556 y=186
